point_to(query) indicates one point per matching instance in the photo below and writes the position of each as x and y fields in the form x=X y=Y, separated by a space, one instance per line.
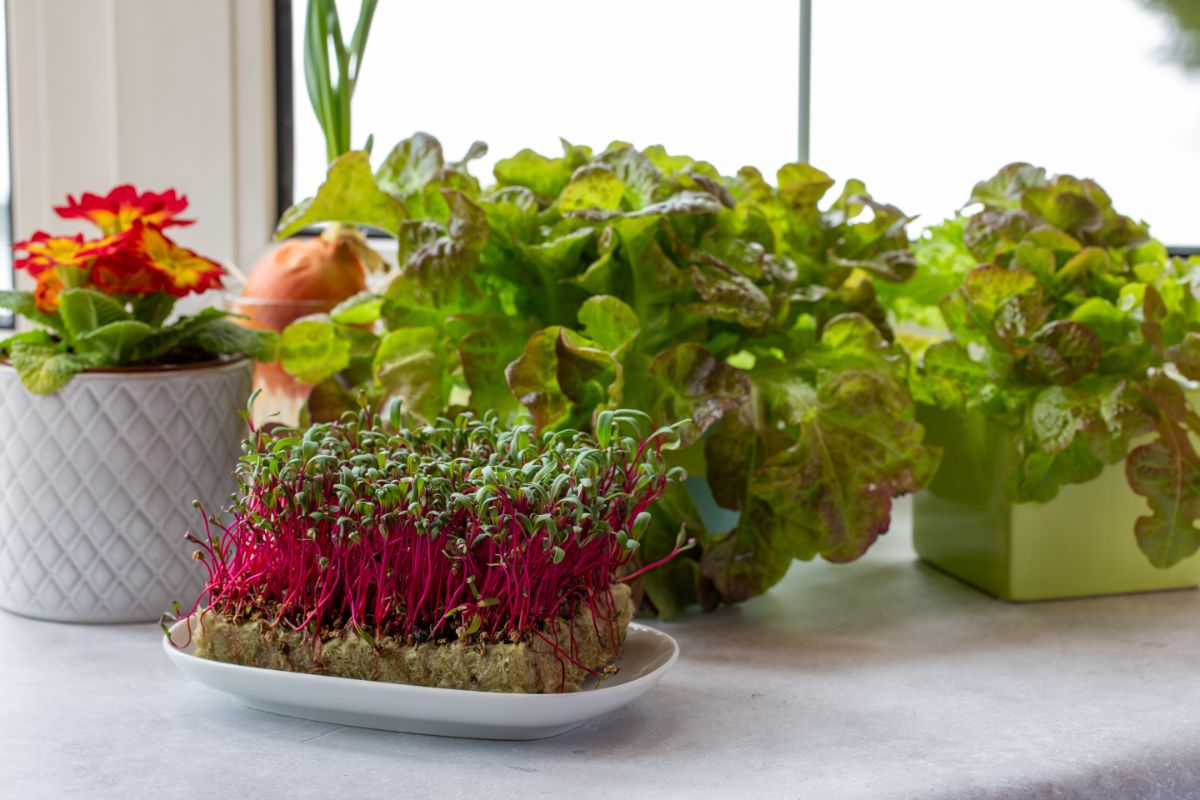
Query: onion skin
x=315 y=274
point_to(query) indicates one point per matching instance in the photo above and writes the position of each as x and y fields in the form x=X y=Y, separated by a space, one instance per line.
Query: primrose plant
x=105 y=301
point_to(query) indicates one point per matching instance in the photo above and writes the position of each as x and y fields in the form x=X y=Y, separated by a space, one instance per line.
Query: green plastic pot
x=1079 y=544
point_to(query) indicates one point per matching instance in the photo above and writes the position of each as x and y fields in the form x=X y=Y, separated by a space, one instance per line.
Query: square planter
x=1080 y=543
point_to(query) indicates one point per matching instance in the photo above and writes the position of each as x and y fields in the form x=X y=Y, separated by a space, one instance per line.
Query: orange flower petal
x=185 y=270
x=123 y=206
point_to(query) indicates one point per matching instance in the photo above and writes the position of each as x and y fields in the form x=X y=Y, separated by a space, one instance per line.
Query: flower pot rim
x=150 y=370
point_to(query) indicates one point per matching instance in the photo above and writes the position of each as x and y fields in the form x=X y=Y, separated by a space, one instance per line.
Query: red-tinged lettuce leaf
x=731 y=449
x=657 y=286
x=1062 y=352
x=690 y=383
x=410 y=166
x=1064 y=204
x=1005 y=189
x=484 y=354
x=802 y=184
x=1038 y=475
x=327 y=402
x=989 y=289
x=545 y=176
x=727 y=294
x=851 y=341
x=1167 y=473
x=687 y=202
x=314 y=349
x=858 y=448
x=587 y=373
x=594 y=186
x=948 y=377
x=1186 y=356
x=610 y=322
x=639 y=176
x=562 y=376
x=756 y=554
x=349 y=195
x=560 y=257
x=439 y=267
x=1058 y=414
x=533 y=379
x=675 y=586
x=411 y=364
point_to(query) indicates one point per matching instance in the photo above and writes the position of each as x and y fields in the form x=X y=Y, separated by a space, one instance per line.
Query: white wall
x=160 y=93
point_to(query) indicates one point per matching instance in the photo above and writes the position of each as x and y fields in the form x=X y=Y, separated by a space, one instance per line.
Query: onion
x=302 y=276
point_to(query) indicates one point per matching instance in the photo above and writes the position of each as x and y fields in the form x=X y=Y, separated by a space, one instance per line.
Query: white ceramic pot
x=97 y=482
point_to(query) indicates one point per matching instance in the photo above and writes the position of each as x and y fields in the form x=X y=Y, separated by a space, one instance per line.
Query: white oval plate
x=647 y=656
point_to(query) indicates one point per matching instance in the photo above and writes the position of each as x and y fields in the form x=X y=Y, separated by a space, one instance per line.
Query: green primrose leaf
x=85 y=310
x=113 y=343
x=46 y=368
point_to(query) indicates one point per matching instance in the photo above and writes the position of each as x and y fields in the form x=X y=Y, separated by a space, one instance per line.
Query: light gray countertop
x=880 y=679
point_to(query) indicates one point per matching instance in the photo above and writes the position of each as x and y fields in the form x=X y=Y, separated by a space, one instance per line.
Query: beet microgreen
x=455 y=529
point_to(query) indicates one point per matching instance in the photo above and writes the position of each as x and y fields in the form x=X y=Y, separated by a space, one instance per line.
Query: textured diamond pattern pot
x=97 y=483
x=1080 y=543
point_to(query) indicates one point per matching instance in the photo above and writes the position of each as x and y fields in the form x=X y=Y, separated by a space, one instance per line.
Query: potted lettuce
x=640 y=279
x=1059 y=344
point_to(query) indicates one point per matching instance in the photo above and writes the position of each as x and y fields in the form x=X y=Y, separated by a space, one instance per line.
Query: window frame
x=8 y=320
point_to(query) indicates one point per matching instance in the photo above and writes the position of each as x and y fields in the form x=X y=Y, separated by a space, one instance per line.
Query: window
x=1092 y=89
x=1102 y=90
x=696 y=77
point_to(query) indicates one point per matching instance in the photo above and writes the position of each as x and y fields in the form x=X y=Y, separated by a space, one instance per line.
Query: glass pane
x=922 y=98
x=701 y=78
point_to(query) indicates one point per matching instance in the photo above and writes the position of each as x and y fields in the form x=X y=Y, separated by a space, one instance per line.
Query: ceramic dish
x=647 y=656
